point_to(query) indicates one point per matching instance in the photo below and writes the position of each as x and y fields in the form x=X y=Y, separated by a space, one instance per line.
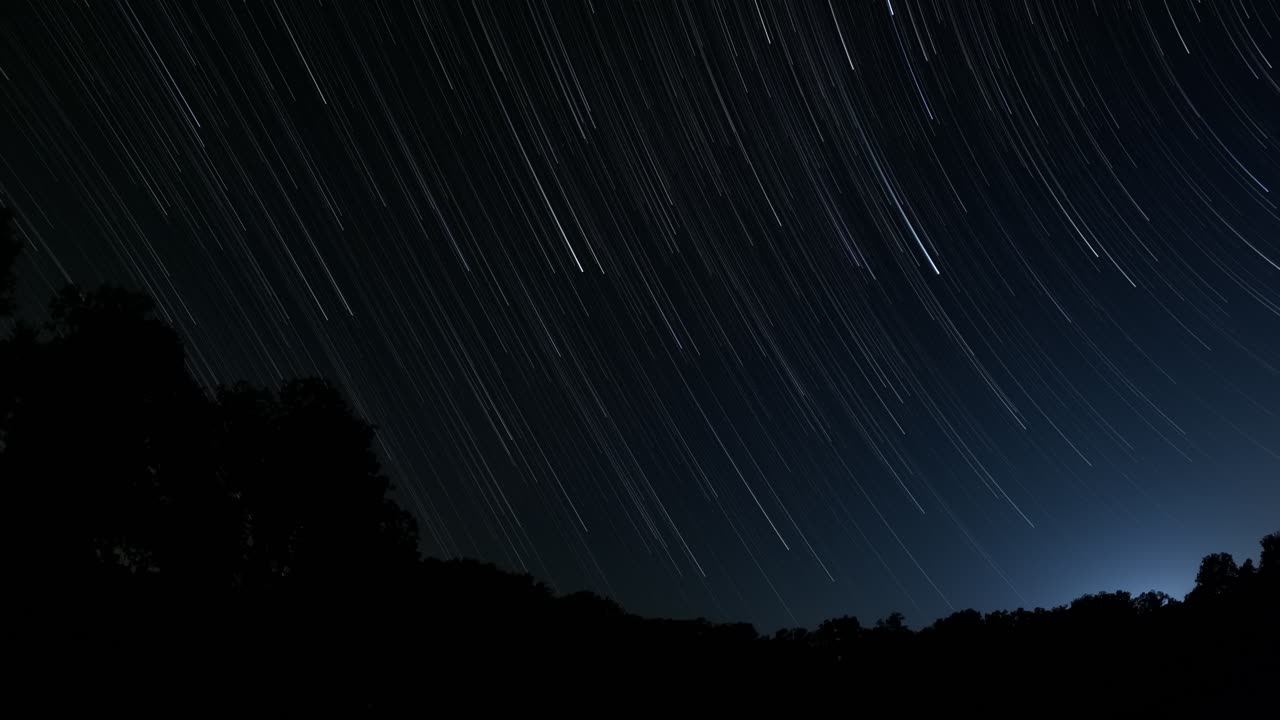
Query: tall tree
x=118 y=469
x=1217 y=576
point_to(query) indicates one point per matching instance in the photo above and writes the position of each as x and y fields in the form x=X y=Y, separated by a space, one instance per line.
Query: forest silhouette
x=150 y=520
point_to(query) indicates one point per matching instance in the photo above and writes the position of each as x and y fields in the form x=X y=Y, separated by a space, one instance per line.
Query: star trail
x=747 y=310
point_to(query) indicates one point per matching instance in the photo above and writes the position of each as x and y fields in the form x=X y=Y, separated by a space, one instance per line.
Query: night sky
x=749 y=310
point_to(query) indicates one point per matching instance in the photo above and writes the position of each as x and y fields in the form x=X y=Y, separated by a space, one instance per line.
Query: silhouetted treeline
x=148 y=520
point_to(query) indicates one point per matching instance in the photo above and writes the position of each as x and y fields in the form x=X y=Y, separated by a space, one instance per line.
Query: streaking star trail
x=762 y=310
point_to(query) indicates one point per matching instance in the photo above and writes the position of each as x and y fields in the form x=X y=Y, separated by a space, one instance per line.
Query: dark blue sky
x=749 y=310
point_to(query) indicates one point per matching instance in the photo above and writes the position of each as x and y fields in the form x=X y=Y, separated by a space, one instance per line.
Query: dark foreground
x=179 y=548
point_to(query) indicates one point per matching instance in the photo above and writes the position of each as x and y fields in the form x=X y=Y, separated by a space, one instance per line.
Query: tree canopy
x=159 y=518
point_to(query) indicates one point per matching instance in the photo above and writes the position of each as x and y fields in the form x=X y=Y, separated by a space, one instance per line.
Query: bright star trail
x=749 y=310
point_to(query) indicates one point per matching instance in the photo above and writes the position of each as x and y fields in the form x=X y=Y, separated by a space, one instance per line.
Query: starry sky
x=752 y=310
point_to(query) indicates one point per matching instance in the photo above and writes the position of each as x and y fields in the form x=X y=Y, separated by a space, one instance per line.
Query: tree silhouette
x=314 y=502
x=1152 y=601
x=1217 y=576
x=104 y=433
x=254 y=528
x=896 y=622
x=120 y=472
x=1269 y=559
x=836 y=638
